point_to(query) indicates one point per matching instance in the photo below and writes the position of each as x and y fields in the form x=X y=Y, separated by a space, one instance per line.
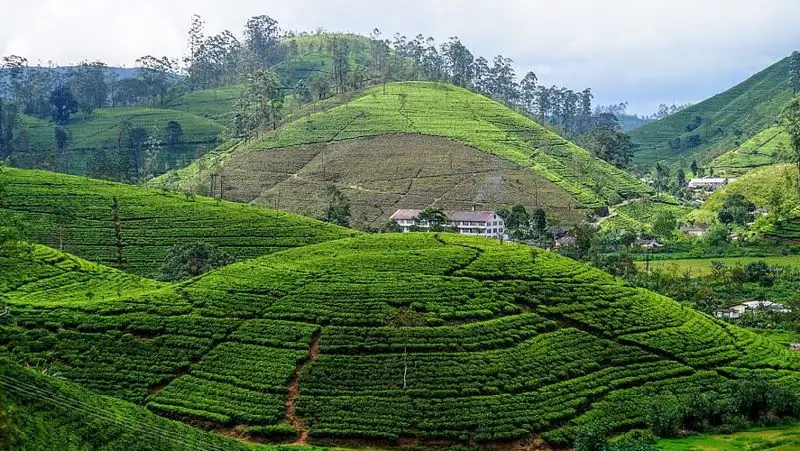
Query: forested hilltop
x=133 y=124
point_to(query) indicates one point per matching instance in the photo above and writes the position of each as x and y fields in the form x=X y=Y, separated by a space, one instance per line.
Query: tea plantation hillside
x=78 y=215
x=767 y=147
x=101 y=132
x=773 y=188
x=53 y=277
x=45 y=413
x=409 y=145
x=720 y=123
x=398 y=337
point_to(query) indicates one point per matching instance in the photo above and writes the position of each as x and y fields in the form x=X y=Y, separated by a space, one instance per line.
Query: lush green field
x=729 y=119
x=783 y=438
x=703 y=265
x=76 y=214
x=418 y=108
x=395 y=337
x=763 y=149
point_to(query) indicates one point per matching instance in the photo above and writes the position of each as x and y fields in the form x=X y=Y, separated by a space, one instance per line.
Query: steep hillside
x=765 y=148
x=773 y=188
x=725 y=120
x=101 y=131
x=77 y=214
x=412 y=144
x=45 y=413
x=402 y=337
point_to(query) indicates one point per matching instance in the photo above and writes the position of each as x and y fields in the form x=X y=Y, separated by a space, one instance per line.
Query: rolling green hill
x=763 y=149
x=727 y=120
x=101 y=131
x=773 y=188
x=396 y=338
x=76 y=213
x=409 y=145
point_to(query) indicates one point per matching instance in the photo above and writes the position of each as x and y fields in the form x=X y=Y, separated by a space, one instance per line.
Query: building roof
x=761 y=304
x=698 y=227
x=477 y=216
x=709 y=181
x=405 y=213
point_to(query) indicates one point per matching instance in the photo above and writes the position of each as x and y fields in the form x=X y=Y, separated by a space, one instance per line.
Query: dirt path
x=294 y=392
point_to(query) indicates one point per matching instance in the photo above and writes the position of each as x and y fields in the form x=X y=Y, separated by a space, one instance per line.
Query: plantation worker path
x=294 y=392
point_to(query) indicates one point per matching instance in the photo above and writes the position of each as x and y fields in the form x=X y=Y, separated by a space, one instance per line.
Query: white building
x=483 y=223
x=479 y=223
x=405 y=218
x=709 y=183
x=738 y=310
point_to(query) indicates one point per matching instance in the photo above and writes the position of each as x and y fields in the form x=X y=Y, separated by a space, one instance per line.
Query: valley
x=310 y=240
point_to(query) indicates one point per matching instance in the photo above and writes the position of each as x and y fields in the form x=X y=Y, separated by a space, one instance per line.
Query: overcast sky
x=645 y=52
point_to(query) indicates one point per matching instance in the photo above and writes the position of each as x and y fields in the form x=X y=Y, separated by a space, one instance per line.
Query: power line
x=85 y=408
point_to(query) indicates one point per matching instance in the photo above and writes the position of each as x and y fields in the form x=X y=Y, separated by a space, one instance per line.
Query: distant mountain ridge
x=718 y=124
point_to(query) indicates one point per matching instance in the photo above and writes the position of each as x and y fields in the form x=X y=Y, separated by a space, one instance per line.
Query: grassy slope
x=77 y=211
x=517 y=341
x=454 y=113
x=772 y=187
x=763 y=149
x=750 y=107
x=782 y=438
x=46 y=413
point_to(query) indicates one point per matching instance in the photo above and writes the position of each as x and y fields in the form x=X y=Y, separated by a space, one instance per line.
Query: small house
x=695 y=230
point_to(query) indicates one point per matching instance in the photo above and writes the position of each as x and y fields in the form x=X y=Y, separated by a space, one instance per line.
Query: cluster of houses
x=479 y=223
x=736 y=311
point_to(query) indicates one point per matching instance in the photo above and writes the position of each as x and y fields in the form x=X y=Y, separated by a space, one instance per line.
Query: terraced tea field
x=309 y=153
x=393 y=338
x=78 y=215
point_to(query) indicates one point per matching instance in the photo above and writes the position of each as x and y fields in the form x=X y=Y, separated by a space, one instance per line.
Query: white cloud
x=643 y=51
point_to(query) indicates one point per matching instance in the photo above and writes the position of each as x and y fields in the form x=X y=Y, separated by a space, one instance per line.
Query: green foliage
x=736 y=210
x=185 y=261
x=64 y=104
x=610 y=145
x=337 y=210
x=665 y=224
x=757 y=398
